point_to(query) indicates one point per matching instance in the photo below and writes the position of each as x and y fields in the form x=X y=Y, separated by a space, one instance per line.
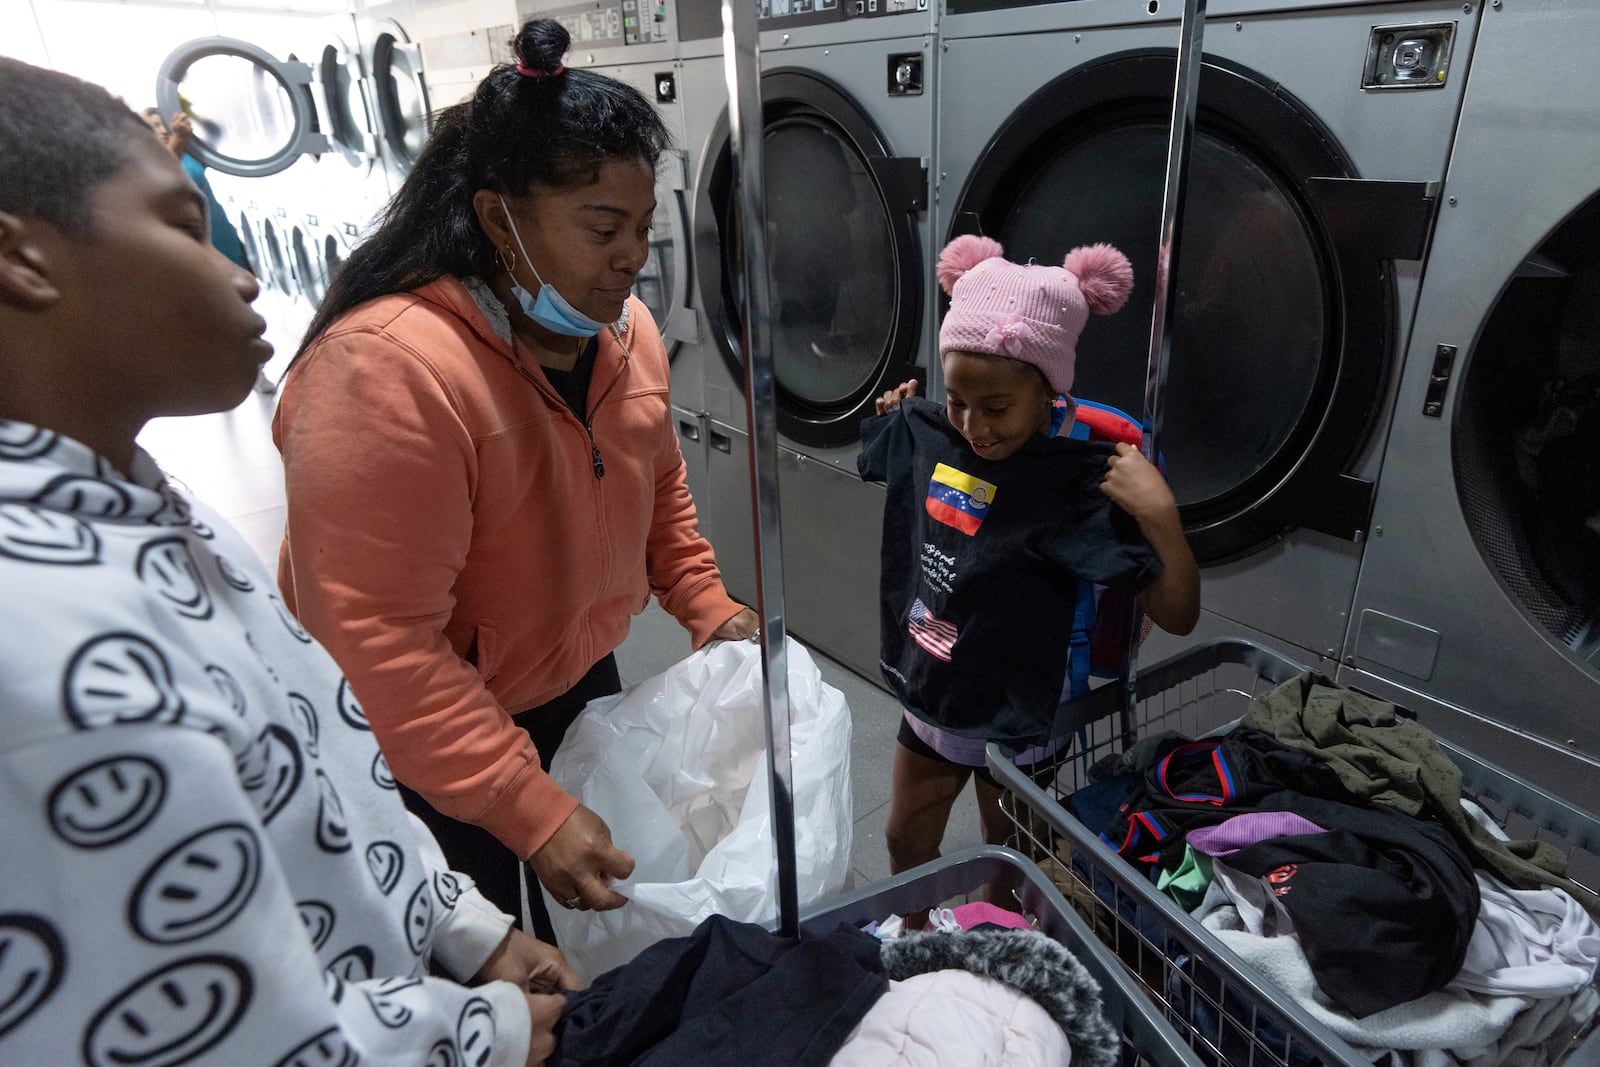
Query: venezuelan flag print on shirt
x=957 y=499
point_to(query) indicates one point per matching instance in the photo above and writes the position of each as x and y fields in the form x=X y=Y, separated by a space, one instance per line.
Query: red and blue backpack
x=1102 y=625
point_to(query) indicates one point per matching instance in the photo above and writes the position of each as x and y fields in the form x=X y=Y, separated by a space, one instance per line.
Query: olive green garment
x=1384 y=758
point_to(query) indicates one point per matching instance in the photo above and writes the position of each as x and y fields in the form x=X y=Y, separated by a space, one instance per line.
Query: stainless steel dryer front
x=1479 y=600
x=848 y=139
x=1322 y=131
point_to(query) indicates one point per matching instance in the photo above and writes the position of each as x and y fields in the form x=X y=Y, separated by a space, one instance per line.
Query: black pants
x=474 y=851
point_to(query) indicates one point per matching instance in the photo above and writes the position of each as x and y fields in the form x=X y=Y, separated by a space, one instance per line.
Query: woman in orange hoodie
x=484 y=483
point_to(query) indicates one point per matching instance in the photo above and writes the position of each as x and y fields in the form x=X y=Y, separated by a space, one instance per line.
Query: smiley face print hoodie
x=205 y=857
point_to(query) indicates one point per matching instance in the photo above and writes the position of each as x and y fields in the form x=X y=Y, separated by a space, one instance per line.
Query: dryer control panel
x=606 y=24
x=703 y=18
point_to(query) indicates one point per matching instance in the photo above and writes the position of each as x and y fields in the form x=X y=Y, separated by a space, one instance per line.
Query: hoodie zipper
x=597 y=463
x=595 y=459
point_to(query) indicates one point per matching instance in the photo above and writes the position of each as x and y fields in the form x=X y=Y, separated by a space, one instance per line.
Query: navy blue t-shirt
x=983 y=569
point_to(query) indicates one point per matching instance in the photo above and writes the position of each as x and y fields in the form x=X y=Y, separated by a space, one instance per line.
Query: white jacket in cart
x=205 y=859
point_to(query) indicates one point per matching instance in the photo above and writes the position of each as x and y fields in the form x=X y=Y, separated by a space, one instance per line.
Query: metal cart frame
x=1177 y=962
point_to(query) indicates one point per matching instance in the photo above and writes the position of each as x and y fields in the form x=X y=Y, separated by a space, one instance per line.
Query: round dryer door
x=1284 y=331
x=309 y=266
x=348 y=114
x=275 y=242
x=252 y=247
x=1526 y=433
x=663 y=284
x=402 y=95
x=844 y=256
x=253 y=114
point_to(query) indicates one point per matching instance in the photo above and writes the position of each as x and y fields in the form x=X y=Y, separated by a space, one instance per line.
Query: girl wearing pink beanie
x=1001 y=530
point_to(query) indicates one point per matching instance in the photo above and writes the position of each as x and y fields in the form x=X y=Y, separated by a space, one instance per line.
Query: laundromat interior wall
x=1405 y=551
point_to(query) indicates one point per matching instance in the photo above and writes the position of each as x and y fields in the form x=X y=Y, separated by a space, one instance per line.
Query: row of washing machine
x=304 y=149
x=1383 y=382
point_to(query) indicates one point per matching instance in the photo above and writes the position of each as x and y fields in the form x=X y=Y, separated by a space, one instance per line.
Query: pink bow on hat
x=1010 y=335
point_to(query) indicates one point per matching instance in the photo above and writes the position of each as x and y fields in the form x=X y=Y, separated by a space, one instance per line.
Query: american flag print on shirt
x=931 y=632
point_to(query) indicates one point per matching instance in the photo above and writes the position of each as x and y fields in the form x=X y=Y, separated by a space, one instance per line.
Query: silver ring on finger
x=573 y=903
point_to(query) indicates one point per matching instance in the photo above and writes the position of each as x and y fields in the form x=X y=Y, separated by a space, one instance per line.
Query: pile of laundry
x=1326 y=840
x=977 y=987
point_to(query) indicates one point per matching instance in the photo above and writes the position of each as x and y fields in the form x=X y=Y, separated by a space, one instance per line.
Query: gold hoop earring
x=506 y=259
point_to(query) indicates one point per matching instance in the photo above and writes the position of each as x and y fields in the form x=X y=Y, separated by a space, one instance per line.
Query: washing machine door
x=844 y=255
x=399 y=92
x=1284 y=335
x=253 y=114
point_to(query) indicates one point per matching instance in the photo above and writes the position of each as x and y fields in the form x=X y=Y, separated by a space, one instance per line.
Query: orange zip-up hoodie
x=451 y=544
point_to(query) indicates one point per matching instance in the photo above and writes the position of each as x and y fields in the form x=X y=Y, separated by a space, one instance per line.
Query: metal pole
x=741 y=56
x=1185 y=95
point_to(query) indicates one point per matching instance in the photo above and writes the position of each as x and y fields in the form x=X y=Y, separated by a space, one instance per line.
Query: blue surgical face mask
x=549 y=309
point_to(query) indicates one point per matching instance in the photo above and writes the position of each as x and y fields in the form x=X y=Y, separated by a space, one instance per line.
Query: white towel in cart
x=1443 y=1029
x=1528 y=942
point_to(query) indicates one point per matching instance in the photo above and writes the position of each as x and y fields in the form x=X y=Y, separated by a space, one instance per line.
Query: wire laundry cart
x=1147 y=1039
x=1229 y=1014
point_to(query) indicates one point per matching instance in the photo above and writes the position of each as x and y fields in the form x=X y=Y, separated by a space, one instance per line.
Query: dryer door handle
x=903 y=181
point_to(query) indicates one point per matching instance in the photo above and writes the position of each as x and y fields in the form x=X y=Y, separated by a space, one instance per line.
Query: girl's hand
x=890 y=400
x=1135 y=485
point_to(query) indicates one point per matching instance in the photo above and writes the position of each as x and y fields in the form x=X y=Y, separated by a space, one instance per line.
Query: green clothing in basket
x=1386 y=759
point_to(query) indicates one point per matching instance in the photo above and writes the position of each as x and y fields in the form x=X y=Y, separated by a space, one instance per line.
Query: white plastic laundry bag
x=677 y=767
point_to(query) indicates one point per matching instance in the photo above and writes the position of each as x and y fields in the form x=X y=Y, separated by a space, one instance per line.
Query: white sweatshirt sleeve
x=470 y=932
x=145 y=918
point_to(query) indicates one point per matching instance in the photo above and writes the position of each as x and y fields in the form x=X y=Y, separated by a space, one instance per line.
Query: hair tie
x=529 y=72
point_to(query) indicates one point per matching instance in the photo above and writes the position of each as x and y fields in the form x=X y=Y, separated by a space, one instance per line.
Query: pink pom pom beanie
x=1028 y=312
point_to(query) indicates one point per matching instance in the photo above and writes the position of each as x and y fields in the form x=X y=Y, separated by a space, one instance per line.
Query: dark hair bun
x=541 y=43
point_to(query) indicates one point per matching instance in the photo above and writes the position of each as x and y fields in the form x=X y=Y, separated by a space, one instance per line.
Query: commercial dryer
x=1322 y=132
x=848 y=139
x=398 y=89
x=1479 y=599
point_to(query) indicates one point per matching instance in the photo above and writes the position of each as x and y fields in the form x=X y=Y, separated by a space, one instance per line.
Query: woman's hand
x=743 y=626
x=579 y=862
x=890 y=400
x=528 y=963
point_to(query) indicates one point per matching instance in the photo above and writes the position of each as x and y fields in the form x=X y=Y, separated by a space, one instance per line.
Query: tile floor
x=229 y=461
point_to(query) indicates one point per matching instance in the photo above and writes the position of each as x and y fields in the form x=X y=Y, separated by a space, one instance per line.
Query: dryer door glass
x=239 y=110
x=1527 y=430
x=831 y=251
x=1251 y=328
